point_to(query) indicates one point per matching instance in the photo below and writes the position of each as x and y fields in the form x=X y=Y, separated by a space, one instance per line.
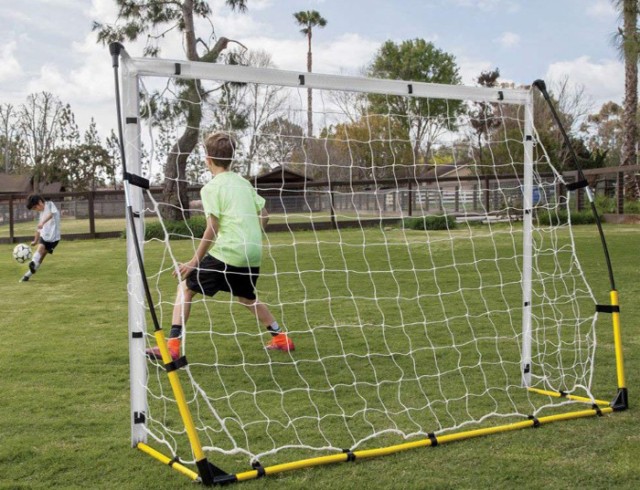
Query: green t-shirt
x=233 y=200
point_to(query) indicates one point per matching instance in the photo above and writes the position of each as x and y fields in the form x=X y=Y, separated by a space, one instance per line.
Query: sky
x=48 y=45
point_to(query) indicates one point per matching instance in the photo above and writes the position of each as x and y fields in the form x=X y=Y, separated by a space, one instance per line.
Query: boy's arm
x=36 y=238
x=264 y=218
x=44 y=221
x=208 y=237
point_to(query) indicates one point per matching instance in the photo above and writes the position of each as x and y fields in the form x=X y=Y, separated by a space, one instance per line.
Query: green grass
x=65 y=404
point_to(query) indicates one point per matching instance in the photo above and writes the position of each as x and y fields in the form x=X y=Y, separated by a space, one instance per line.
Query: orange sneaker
x=281 y=342
x=174 y=349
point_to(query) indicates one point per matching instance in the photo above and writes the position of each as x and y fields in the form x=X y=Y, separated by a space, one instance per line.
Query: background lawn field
x=64 y=407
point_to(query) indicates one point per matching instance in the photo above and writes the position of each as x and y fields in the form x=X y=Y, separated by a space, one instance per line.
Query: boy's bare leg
x=280 y=340
x=181 y=312
x=259 y=310
x=182 y=306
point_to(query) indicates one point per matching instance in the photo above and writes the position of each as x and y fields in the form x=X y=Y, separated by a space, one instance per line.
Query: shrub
x=177 y=230
x=562 y=217
x=430 y=223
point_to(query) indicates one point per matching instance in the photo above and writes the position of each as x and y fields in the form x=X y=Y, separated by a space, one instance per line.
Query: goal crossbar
x=153 y=67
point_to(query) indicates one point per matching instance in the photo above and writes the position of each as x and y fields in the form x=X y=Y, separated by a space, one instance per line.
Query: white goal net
x=419 y=254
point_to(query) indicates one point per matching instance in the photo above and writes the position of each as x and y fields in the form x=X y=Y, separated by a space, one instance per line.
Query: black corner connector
x=621 y=401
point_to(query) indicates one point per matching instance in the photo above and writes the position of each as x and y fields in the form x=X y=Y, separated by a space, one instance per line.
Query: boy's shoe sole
x=155 y=354
x=23 y=279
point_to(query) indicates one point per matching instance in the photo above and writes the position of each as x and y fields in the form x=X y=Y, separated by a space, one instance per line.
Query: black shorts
x=49 y=246
x=213 y=276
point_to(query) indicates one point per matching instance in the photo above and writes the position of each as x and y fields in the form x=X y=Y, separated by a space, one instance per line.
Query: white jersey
x=50 y=232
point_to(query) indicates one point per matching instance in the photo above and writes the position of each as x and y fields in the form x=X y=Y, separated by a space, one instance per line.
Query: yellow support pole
x=183 y=408
x=617 y=340
x=168 y=461
x=568 y=396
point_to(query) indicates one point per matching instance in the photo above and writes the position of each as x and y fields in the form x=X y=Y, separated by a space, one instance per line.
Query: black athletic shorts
x=49 y=246
x=213 y=276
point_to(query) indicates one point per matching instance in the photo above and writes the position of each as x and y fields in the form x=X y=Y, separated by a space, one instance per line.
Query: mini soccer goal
x=420 y=253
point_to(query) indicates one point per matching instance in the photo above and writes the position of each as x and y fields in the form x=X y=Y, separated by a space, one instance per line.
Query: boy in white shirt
x=47 y=233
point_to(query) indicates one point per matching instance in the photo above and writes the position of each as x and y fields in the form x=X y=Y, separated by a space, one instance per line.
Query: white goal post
x=420 y=253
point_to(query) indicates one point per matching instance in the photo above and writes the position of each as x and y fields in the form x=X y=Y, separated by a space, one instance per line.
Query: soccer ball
x=22 y=253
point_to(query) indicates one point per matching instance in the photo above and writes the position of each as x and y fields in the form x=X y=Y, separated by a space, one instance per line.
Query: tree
x=423 y=119
x=602 y=133
x=309 y=19
x=138 y=18
x=44 y=122
x=628 y=42
x=373 y=146
x=482 y=117
x=281 y=142
x=11 y=147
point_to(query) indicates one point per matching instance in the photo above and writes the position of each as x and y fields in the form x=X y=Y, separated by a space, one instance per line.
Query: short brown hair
x=220 y=147
x=33 y=200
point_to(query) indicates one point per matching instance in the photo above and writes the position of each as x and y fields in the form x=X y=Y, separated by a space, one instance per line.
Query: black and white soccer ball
x=22 y=253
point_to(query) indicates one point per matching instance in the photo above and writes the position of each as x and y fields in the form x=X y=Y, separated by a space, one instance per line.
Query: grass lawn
x=65 y=403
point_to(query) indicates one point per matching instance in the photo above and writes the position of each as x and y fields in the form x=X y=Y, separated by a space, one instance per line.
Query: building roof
x=279 y=175
x=15 y=184
x=23 y=184
x=446 y=170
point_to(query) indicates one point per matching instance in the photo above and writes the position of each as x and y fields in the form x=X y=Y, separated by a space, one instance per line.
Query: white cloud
x=601 y=9
x=489 y=5
x=508 y=40
x=9 y=65
x=470 y=69
x=602 y=80
x=345 y=54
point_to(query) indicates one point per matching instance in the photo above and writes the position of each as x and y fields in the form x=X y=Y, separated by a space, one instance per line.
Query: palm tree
x=628 y=42
x=309 y=19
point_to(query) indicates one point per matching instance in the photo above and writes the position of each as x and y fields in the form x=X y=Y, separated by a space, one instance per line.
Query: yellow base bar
x=602 y=408
x=371 y=453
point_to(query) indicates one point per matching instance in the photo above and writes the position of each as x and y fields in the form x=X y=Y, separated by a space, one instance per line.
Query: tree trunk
x=309 y=92
x=174 y=191
x=630 y=124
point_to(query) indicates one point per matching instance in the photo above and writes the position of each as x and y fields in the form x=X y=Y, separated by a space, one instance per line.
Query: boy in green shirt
x=230 y=252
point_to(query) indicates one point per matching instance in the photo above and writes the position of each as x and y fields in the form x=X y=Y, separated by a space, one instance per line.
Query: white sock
x=274 y=328
x=36 y=259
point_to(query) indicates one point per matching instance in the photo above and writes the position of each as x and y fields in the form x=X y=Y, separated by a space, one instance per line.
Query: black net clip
x=350 y=455
x=136 y=180
x=536 y=422
x=434 y=440
x=259 y=468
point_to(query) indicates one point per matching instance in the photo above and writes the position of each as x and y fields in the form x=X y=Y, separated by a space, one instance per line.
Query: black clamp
x=177 y=364
x=577 y=185
x=607 y=309
x=536 y=422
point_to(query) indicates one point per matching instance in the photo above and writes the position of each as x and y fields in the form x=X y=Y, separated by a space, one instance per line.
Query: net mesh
x=394 y=260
